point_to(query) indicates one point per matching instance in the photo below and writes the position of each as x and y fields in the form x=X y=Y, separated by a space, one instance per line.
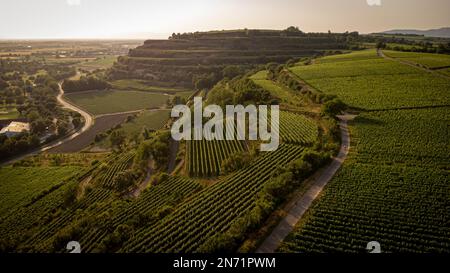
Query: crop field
x=105 y=179
x=152 y=201
x=286 y=95
x=152 y=120
x=98 y=63
x=61 y=160
x=368 y=83
x=370 y=92
x=393 y=188
x=213 y=211
x=298 y=129
x=140 y=85
x=378 y=133
x=354 y=56
x=204 y=158
x=403 y=208
x=104 y=102
x=20 y=184
x=371 y=67
x=429 y=60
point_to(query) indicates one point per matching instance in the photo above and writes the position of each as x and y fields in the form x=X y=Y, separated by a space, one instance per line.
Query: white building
x=15 y=128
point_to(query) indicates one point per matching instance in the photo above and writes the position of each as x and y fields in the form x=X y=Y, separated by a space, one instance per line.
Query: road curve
x=89 y=120
x=299 y=205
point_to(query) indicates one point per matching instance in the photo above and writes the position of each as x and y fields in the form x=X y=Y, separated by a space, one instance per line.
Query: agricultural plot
x=93 y=202
x=405 y=209
x=106 y=177
x=61 y=160
x=381 y=138
x=429 y=60
x=387 y=91
x=20 y=184
x=27 y=219
x=152 y=120
x=353 y=56
x=394 y=186
x=213 y=211
x=140 y=85
x=149 y=204
x=98 y=63
x=376 y=83
x=285 y=94
x=297 y=129
x=349 y=69
x=104 y=102
x=205 y=157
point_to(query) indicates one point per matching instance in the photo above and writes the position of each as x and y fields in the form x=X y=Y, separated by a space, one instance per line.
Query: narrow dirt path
x=300 y=204
x=137 y=191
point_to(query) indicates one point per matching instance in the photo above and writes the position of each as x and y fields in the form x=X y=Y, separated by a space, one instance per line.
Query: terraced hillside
x=182 y=59
x=394 y=188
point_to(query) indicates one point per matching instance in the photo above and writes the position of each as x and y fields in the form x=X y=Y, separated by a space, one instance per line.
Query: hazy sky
x=148 y=18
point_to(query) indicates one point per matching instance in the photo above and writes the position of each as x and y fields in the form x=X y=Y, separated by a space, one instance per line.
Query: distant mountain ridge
x=440 y=32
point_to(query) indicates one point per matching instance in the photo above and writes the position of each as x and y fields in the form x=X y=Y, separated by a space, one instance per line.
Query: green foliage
x=220 y=208
x=333 y=107
x=85 y=84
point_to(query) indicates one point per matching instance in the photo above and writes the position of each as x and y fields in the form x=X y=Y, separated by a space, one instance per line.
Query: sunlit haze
x=155 y=19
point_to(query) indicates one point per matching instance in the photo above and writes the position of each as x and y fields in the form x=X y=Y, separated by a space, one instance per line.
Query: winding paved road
x=299 y=205
x=89 y=120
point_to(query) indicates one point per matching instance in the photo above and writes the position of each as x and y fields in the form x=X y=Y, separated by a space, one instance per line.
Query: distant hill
x=184 y=58
x=441 y=32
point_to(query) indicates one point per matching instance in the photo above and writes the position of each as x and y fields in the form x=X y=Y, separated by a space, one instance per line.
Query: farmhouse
x=15 y=128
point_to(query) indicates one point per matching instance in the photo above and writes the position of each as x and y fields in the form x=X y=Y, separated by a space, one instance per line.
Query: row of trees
x=85 y=84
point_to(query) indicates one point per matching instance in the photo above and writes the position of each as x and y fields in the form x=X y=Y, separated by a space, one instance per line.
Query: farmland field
x=104 y=102
x=20 y=184
x=394 y=186
x=205 y=157
x=142 y=86
x=367 y=83
x=427 y=59
x=286 y=95
x=213 y=211
x=98 y=63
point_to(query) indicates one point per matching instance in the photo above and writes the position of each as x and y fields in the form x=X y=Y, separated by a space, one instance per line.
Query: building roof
x=16 y=127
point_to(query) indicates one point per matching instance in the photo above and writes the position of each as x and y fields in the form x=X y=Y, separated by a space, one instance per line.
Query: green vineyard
x=106 y=178
x=145 y=209
x=212 y=211
x=394 y=186
x=297 y=129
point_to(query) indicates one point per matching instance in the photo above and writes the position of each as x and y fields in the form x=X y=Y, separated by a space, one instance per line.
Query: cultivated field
x=367 y=84
x=113 y=101
x=394 y=186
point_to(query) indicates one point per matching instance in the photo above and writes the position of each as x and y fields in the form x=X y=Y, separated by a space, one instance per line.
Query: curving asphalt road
x=89 y=120
x=299 y=205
